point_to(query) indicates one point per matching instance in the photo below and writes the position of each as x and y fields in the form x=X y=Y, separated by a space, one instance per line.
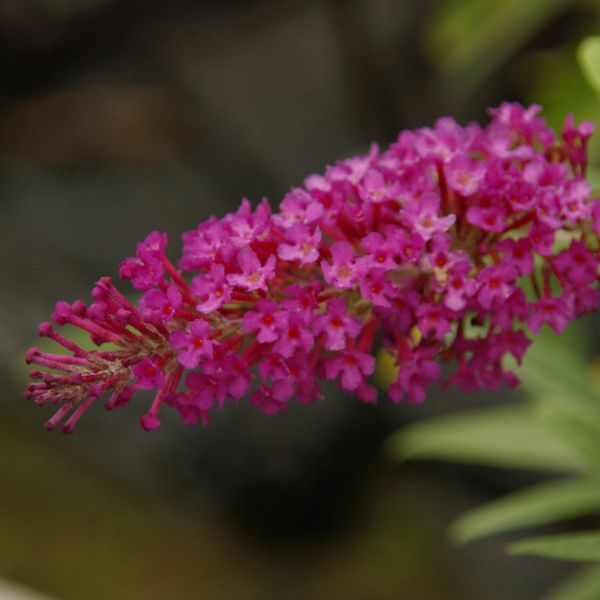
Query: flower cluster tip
x=449 y=246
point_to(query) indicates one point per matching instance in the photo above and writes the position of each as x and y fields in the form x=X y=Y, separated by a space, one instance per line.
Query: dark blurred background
x=120 y=117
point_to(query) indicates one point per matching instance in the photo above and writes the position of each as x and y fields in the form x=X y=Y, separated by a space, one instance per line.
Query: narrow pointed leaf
x=588 y=55
x=508 y=436
x=556 y=376
x=535 y=506
x=573 y=546
x=585 y=585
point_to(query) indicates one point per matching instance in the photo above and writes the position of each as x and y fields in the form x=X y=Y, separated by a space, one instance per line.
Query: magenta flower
x=542 y=237
x=149 y=375
x=557 y=312
x=158 y=306
x=407 y=246
x=342 y=271
x=495 y=284
x=375 y=287
x=294 y=337
x=487 y=218
x=146 y=269
x=196 y=343
x=414 y=377
x=433 y=319
x=353 y=367
x=464 y=175
x=267 y=399
x=380 y=253
x=298 y=206
x=460 y=287
x=254 y=275
x=267 y=321
x=577 y=265
x=336 y=324
x=212 y=288
x=374 y=188
x=302 y=246
x=519 y=252
x=424 y=216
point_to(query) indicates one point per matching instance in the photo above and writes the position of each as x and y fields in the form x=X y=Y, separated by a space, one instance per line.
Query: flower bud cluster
x=451 y=245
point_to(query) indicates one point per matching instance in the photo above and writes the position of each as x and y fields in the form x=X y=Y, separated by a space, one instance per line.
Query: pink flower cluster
x=448 y=246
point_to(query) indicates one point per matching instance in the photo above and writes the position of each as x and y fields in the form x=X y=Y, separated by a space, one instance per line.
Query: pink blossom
x=414 y=377
x=268 y=400
x=495 y=284
x=149 y=375
x=188 y=409
x=342 y=271
x=423 y=216
x=460 y=287
x=302 y=300
x=519 y=253
x=491 y=218
x=159 y=306
x=433 y=319
x=244 y=227
x=267 y=320
x=212 y=288
x=408 y=246
x=304 y=246
x=557 y=312
x=377 y=288
x=353 y=367
x=541 y=236
x=336 y=324
x=374 y=188
x=294 y=337
x=508 y=341
x=380 y=253
x=254 y=275
x=575 y=200
x=525 y=122
x=576 y=141
x=146 y=269
x=577 y=264
x=464 y=175
x=208 y=243
x=298 y=206
x=197 y=343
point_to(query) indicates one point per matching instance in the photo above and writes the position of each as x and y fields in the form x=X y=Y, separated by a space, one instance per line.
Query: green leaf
x=535 y=506
x=474 y=37
x=508 y=436
x=585 y=585
x=582 y=436
x=558 y=377
x=571 y=546
x=588 y=55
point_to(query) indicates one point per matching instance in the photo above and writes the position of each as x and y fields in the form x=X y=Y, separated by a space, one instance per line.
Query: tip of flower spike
x=79 y=307
x=150 y=422
x=31 y=354
x=390 y=257
x=62 y=312
x=45 y=329
x=101 y=288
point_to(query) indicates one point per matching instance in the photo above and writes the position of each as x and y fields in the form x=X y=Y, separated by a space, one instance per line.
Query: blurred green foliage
x=555 y=429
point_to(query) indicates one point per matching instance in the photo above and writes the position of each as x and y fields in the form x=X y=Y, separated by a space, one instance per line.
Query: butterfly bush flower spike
x=451 y=245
